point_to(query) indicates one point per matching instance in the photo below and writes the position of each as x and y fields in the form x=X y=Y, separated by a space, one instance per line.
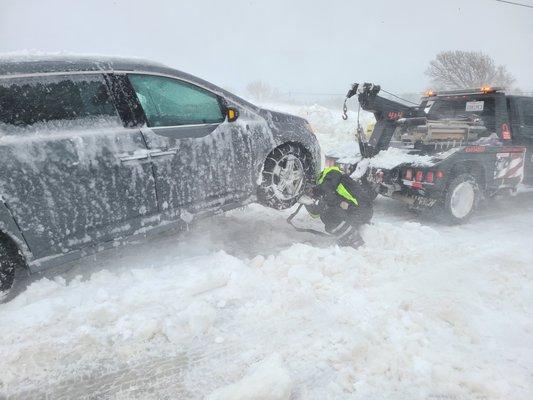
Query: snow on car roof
x=25 y=63
x=36 y=62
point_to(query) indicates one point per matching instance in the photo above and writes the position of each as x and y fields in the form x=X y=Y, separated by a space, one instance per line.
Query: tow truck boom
x=387 y=113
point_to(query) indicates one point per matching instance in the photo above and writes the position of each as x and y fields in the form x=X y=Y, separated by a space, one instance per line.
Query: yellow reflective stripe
x=346 y=194
x=341 y=190
x=326 y=171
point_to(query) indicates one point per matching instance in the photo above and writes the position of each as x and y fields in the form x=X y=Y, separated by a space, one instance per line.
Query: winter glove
x=305 y=199
x=314 y=192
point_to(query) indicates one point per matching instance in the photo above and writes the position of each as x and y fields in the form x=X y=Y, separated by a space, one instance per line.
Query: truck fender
x=472 y=167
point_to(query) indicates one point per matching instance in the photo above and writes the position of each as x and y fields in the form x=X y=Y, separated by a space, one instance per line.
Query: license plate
x=475 y=105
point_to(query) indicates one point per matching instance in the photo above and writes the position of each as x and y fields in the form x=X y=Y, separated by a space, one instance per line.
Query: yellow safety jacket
x=341 y=189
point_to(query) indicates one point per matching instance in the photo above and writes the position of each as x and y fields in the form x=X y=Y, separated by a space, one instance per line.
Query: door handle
x=133 y=157
x=146 y=154
x=162 y=153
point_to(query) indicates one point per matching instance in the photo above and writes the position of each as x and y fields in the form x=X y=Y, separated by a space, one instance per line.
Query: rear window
x=461 y=107
x=28 y=101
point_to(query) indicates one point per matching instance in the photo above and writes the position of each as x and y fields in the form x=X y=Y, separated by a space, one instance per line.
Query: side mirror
x=232 y=114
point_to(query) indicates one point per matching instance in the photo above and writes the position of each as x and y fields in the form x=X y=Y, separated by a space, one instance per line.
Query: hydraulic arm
x=387 y=113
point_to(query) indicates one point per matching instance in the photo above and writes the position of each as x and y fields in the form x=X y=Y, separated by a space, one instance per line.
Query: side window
x=526 y=108
x=170 y=102
x=28 y=101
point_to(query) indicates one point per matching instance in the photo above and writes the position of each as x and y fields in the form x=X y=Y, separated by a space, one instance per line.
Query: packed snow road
x=243 y=307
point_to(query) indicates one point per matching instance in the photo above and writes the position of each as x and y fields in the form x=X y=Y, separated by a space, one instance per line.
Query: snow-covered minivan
x=93 y=150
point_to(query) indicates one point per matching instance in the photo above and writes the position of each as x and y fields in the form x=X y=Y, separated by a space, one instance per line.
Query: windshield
x=464 y=107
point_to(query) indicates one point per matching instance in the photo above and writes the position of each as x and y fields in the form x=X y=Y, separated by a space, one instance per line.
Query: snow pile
x=389 y=159
x=337 y=136
x=406 y=316
x=392 y=157
x=386 y=159
x=331 y=130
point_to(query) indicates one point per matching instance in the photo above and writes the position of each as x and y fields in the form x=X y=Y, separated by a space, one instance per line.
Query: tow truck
x=447 y=153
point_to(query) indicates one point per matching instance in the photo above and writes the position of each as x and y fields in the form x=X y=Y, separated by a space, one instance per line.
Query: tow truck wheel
x=462 y=198
x=287 y=170
x=10 y=261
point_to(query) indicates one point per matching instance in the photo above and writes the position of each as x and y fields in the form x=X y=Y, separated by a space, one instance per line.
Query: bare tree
x=262 y=91
x=258 y=90
x=466 y=69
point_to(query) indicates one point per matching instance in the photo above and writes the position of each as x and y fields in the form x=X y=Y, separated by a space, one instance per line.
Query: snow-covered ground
x=243 y=307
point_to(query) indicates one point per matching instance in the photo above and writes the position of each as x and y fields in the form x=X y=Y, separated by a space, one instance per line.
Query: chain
x=345 y=110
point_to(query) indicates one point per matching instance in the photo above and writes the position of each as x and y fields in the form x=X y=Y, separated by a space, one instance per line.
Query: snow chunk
x=389 y=159
x=266 y=380
x=349 y=153
x=393 y=157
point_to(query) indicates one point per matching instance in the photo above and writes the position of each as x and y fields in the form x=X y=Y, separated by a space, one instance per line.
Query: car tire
x=287 y=171
x=10 y=263
x=462 y=198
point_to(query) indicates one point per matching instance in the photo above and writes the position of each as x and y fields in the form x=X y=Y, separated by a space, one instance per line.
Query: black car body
x=93 y=150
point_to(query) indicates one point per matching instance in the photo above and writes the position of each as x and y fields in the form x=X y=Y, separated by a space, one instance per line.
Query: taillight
x=506 y=132
x=418 y=178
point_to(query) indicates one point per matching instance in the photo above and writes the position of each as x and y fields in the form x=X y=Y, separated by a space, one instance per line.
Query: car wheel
x=462 y=198
x=286 y=172
x=10 y=260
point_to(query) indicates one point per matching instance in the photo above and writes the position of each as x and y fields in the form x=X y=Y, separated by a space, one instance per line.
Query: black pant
x=345 y=224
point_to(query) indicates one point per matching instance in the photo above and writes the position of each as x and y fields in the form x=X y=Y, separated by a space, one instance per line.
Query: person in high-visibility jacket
x=343 y=205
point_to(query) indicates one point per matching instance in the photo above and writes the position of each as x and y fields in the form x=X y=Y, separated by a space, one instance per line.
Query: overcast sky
x=296 y=45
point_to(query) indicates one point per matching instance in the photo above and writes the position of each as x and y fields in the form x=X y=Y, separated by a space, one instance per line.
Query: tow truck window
x=460 y=107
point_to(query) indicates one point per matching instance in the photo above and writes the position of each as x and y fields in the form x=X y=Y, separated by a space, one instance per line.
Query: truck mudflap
x=509 y=168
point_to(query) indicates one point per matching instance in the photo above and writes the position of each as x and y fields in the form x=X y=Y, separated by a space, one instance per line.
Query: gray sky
x=299 y=45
